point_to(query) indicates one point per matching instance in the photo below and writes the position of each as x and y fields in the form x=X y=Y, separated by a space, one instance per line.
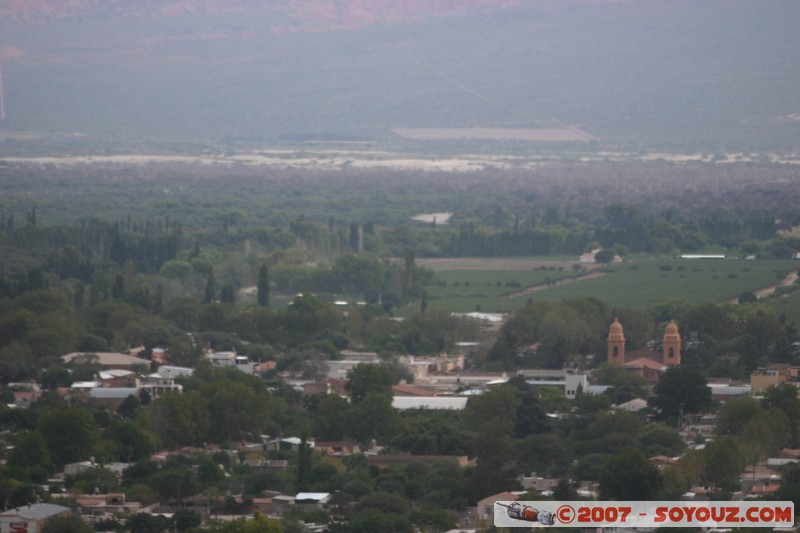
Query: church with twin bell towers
x=670 y=350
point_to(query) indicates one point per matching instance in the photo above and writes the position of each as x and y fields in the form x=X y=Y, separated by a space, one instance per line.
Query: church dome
x=671 y=331
x=615 y=331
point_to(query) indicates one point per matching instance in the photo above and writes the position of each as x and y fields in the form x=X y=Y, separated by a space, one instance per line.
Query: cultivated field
x=639 y=285
x=495 y=263
x=487 y=290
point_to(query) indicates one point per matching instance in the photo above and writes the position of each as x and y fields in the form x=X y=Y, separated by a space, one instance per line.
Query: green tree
x=784 y=397
x=605 y=256
x=71 y=434
x=99 y=478
x=723 y=462
x=764 y=435
x=565 y=491
x=67 y=524
x=263 y=286
x=303 y=464
x=236 y=408
x=381 y=511
x=660 y=439
x=548 y=454
x=130 y=442
x=734 y=414
x=790 y=485
x=30 y=450
x=365 y=378
x=179 y=419
x=373 y=418
x=492 y=418
x=210 y=292
x=681 y=389
x=359 y=274
x=148 y=523
x=330 y=418
x=130 y=407
x=307 y=317
x=53 y=378
x=228 y=294
x=186 y=519
x=630 y=476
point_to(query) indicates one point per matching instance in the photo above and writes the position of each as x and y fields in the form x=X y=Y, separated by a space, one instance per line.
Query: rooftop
x=37 y=511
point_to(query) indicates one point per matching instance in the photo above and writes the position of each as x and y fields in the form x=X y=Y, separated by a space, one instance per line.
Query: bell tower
x=616 y=344
x=672 y=345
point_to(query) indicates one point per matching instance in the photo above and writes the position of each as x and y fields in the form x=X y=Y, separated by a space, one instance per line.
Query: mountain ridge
x=298 y=15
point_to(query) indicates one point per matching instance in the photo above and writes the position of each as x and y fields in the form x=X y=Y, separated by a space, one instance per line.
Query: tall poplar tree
x=263 y=286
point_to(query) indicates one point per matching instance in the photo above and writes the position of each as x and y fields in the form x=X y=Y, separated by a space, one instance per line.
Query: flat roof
x=430 y=402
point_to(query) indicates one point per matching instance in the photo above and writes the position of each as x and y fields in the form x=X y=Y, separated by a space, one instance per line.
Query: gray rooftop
x=37 y=511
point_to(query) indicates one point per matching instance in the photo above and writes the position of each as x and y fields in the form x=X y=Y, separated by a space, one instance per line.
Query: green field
x=487 y=290
x=639 y=284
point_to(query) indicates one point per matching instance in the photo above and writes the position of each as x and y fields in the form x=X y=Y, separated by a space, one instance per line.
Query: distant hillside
x=708 y=75
x=310 y=14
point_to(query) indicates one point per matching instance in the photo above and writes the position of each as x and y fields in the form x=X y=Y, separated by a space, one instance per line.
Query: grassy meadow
x=638 y=284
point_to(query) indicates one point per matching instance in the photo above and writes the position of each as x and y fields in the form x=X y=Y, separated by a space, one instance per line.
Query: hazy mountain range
x=290 y=14
x=678 y=74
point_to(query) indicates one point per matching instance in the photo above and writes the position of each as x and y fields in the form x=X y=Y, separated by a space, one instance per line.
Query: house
x=404 y=389
x=286 y=444
x=340 y=448
x=339 y=369
x=107 y=360
x=764 y=377
x=722 y=392
x=486 y=505
x=759 y=479
x=159 y=355
x=538 y=483
x=111 y=397
x=157 y=385
x=662 y=461
x=73 y=469
x=25 y=393
x=312 y=501
x=566 y=379
x=95 y=507
x=456 y=403
x=266 y=366
x=30 y=518
x=328 y=386
x=232 y=359
x=632 y=406
x=174 y=372
x=281 y=503
x=116 y=377
x=263 y=505
x=389 y=460
x=259 y=463
x=790 y=453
